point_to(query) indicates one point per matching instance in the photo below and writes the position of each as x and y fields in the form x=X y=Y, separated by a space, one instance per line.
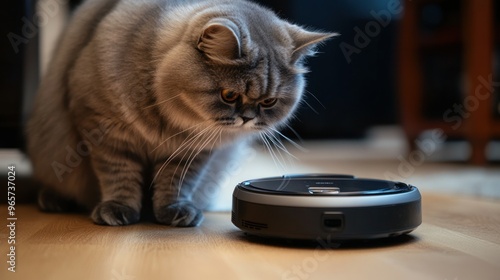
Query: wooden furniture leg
x=478 y=61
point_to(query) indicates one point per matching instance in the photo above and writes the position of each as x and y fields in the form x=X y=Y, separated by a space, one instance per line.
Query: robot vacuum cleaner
x=312 y=206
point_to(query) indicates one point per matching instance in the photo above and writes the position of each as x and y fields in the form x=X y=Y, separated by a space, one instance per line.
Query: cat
x=154 y=96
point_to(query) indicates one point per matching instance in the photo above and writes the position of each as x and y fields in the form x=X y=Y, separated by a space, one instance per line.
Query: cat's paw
x=51 y=201
x=179 y=214
x=113 y=213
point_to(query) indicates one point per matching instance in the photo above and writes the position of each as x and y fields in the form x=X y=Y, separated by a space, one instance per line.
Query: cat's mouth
x=241 y=123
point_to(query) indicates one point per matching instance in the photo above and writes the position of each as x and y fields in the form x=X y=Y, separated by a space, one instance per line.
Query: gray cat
x=152 y=96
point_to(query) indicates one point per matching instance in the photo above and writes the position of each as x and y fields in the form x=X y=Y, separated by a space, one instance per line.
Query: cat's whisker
x=314 y=96
x=261 y=135
x=162 y=102
x=220 y=136
x=271 y=151
x=191 y=158
x=177 y=134
x=295 y=133
x=302 y=149
x=279 y=144
x=186 y=147
x=187 y=164
x=219 y=131
x=310 y=106
x=194 y=149
x=285 y=156
x=189 y=139
x=162 y=167
x=181 y=148
x=193 y=155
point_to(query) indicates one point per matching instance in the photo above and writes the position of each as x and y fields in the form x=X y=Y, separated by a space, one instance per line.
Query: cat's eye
x=268 y=103
x=229 y=96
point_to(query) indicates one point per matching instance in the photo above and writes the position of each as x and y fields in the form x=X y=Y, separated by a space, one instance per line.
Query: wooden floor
x=459 y=239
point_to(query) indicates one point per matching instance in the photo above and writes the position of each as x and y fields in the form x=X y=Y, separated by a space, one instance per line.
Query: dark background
x=18 y=72
x=349 y=97
x=355 y=95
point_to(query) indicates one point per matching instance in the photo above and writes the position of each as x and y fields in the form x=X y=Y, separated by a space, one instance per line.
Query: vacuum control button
x=323 y=190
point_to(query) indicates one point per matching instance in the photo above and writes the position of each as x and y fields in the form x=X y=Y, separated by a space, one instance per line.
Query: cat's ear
x=220 y=40
x=305 y=42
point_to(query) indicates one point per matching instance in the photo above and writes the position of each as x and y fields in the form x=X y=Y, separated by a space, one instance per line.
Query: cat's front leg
x=121 y=179
x=173 y=191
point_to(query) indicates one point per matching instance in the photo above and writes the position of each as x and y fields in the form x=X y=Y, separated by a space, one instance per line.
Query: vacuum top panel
x=329 y=185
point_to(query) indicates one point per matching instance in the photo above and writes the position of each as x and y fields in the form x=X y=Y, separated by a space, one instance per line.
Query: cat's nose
x=246 y=119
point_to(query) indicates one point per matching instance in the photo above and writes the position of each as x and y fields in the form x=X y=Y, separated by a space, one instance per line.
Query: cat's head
x=239 y=67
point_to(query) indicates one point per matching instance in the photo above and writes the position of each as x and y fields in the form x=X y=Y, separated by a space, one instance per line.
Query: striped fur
x=133 y=103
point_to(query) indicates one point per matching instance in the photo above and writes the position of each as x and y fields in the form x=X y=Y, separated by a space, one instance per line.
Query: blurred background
x=353 y=83
x=399 y=70
x=356 y=93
